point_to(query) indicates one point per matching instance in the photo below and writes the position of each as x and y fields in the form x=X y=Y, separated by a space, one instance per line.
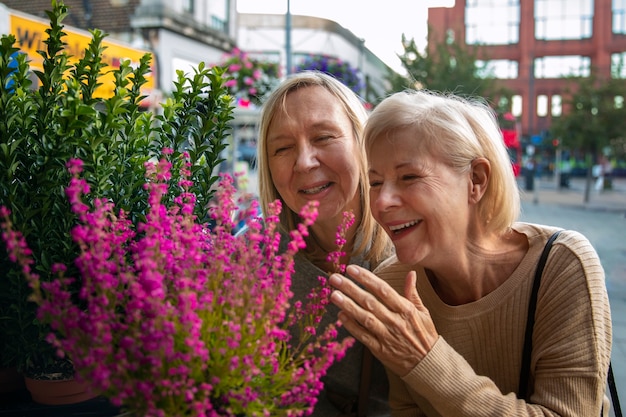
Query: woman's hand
x=397 y=330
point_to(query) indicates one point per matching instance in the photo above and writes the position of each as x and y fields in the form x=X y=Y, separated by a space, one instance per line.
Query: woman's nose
x=306 y=159
x=384 y=198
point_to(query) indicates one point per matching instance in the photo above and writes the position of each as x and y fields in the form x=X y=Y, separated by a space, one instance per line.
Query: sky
x=380 y=23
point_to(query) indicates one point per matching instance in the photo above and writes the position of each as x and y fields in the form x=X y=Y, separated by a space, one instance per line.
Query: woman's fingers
x=398 y=330
x=378 y=288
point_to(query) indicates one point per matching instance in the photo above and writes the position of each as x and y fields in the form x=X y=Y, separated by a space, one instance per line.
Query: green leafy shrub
x=43 y=126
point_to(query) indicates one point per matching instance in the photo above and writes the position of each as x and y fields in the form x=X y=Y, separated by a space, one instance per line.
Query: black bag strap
x=530 y=321
x=528 y=343
x=617 y=408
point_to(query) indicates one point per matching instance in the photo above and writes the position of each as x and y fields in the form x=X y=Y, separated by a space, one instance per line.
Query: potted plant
x=43 y=126
x=176 y=317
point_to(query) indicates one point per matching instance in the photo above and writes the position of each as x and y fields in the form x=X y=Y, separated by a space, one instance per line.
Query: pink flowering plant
x=178 y=317
x=250 y=79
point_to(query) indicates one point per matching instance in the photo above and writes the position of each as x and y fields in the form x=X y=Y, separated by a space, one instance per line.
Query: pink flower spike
x=170 y=316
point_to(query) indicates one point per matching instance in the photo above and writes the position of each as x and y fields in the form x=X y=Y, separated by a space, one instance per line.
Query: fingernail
x=336 y=297
x=334 y=280
x=352 y=270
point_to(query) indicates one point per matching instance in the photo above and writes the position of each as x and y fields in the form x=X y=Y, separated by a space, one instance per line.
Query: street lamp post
x=288 y=38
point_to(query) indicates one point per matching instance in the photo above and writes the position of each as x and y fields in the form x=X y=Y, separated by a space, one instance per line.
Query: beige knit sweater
x=473 y=369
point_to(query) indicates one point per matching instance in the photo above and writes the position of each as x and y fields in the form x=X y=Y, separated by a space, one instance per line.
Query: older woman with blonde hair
x=310 y=148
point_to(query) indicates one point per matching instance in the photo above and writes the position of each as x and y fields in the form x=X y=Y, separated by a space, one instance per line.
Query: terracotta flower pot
x=57 y=392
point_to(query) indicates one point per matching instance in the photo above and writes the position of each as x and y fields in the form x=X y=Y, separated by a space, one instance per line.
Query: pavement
x=546 y=191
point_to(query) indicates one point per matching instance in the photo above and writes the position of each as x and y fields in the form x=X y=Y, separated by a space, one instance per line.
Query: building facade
x=183 y=33
x=264 y=36
x=179 y=33
x=533 y=45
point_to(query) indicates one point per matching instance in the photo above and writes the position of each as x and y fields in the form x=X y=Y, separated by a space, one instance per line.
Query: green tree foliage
x=595 y=116
x=594 y=120
x=452 y=67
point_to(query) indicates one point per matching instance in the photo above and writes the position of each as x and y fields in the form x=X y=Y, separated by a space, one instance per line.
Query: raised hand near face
x=398 y=330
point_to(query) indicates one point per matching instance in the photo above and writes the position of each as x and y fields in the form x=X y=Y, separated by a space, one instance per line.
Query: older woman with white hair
x=448 y=315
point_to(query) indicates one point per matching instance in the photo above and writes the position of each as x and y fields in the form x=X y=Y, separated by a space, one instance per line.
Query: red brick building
x=534 y=44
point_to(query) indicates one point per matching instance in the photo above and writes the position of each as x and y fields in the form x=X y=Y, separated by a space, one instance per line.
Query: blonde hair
x=375 y=244
x=459 y=130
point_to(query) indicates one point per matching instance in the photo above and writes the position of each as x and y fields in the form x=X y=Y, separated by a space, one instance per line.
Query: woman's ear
x=480 y=172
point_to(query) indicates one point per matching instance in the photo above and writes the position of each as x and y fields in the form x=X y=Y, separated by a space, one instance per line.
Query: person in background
x=310 y=148
x=451 y=335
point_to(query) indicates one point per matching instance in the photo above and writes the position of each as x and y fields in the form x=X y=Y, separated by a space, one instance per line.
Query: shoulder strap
x=530 y=321
x=532 y=307
x=617 y=408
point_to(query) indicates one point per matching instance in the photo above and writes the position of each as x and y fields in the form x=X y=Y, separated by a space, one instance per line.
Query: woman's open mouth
x=399 y=228
x=315 y=190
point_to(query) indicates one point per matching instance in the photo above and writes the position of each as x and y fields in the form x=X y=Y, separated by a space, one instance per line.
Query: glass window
x=562 y=66
x=188 y=6
x=516 y=105
x=563 y=19
x=618 y=65
x=498 y=68
x=492 y=22
x=542 y=105
x=557 y=105
x=217 y=11
x=619 y=16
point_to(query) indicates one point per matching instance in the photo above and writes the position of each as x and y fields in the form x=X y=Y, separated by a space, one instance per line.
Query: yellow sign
x=31 y=33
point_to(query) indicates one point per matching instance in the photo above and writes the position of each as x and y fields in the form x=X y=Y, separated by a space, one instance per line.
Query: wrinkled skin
x=398 y=330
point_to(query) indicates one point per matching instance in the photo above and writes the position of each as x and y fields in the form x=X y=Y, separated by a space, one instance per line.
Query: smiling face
x=421 y=202
x=311 y=151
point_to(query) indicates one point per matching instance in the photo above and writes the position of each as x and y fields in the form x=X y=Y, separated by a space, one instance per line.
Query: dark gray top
x=341 y=383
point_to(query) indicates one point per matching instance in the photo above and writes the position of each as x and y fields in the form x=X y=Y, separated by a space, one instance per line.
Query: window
x=188 y=6
x=516 y=105
x=619 y=16
x=542 y=105
x=498 y=68
x=557 y=105
x=562 y=66
x=218 y=14
x=563 y=19
x=492 y=22
x=618 y=65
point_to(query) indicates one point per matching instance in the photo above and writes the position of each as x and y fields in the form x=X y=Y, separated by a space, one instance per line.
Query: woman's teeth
x=316 y=189
x=403 y=226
